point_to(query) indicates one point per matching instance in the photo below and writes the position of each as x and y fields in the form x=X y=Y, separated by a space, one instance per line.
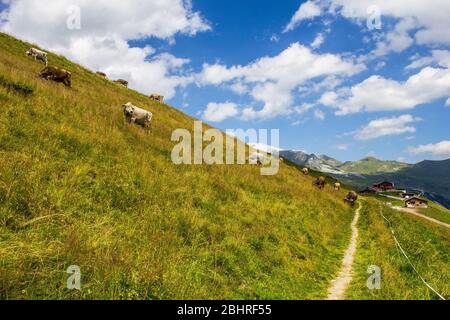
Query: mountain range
x=430 y=177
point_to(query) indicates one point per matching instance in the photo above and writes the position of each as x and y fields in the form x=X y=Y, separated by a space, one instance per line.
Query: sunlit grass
x=79 y=186
x=426 y=244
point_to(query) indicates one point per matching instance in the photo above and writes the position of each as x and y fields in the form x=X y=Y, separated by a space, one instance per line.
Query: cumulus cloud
x=380 y=94
x=396 y=40
x=432 y=19
x=420 y=21
x=318 y=41
x=439 y=57
x=386 y=127
x=217 y=112
x=271 y=80
x=307 y=10
x=440 y=149
x=106 y=27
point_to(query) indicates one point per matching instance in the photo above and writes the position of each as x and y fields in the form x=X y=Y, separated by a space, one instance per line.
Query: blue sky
x=381 y=104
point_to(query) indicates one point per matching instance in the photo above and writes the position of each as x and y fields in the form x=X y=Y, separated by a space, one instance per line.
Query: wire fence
x=407 y=258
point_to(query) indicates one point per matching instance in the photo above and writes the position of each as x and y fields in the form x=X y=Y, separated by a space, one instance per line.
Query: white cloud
x=271 y=80
x=329 y=98
x=386 y=127
x=380 y=94
x=419 y=62
x=318 y=41
x=106 y=28
x=342 y=147
x=319 y=114
x=440 y=149
x=439 y=57
x=303 y=108
x=432 y=23
x=380 y=65
x=264 y=147
x=307 y=10
x=419 y=21
x=396 y=40
x=217 y=112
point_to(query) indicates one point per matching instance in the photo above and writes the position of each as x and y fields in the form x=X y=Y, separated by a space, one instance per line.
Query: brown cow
x=351 y=198
x=57 y=74
x=122 y=82
x=101 y=74
x=157 y=97
x=320 y=182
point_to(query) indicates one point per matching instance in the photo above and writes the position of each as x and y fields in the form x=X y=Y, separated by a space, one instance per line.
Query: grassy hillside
x=79 y=186
x=426 y=244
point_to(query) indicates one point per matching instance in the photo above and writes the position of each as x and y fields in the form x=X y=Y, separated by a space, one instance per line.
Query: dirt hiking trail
x=340 y=284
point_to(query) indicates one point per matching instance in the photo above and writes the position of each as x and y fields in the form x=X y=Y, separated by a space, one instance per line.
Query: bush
x=18 y=87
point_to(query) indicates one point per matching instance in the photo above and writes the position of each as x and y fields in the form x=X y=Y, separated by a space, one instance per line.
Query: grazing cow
x=320 y=182
x=305 y=171
x=101 y=74
x=57 y=74
x=122 y=82
x=337 y=186
x=157 y=97
x=137 y=115
x=38 y=55
x=257 y=158
x=351 y=198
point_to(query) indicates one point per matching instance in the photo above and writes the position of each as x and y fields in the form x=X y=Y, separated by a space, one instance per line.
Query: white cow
x=38 y=55
x=137 y=115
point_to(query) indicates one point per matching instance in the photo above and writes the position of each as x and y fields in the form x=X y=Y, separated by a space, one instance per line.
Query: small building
x=384 y=186
x=408 y=195
x=416 y=202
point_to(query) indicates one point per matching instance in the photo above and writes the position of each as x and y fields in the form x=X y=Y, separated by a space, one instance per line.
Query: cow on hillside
x=320 y=182
x=137 y=115
x=122 y=82
x=101 y=74
x=57 y=74
x=305 y=171
x=351 y=198
x=38 y=55
x=337 y=186
x=157 y=97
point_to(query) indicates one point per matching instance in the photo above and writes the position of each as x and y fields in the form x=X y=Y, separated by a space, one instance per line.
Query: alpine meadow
x=125 y=174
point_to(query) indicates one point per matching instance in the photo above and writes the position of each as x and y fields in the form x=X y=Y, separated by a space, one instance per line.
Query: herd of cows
x=132 y=113
x=321 y=181
x=144 y=118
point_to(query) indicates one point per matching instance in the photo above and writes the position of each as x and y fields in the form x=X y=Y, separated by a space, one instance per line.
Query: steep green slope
x=426 y=245
x=79 y=186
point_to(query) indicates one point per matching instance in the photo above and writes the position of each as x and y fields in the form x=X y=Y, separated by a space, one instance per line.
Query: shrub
x=18 y=87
